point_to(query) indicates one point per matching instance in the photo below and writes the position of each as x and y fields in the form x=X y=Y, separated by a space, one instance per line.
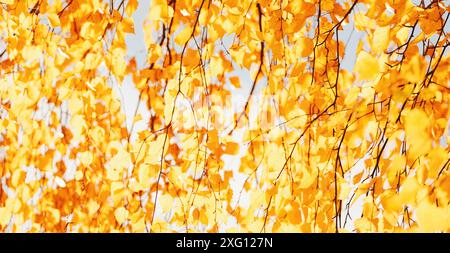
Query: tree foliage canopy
x=317 y=145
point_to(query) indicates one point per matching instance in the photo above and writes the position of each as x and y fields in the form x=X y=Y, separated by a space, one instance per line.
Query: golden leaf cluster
x=317 y=143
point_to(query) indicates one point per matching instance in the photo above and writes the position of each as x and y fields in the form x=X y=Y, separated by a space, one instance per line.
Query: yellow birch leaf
x=417 y=136
x=432 y=218
x=121 y=214
x=366 y=66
